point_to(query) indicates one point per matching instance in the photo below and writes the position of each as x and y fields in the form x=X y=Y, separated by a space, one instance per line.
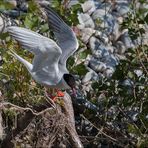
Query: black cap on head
x=70 y=80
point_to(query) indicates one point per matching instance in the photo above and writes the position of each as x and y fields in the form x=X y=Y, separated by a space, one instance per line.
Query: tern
x=48 y=67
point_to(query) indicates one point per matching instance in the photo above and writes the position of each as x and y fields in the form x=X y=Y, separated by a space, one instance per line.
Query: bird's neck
x=63 y=69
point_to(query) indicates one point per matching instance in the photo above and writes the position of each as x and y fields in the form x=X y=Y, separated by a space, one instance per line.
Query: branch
x=61 y=117
x=5 y=104
x=100 y=130
x=1 y=127
x=69 y=113
x=21 y=125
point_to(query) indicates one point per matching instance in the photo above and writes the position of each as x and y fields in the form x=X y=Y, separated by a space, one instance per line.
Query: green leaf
x=84 y=54
x=142 y=1
x=5 y=5
x=73 y=17
x=81 y=1
x=3 y=35
x=76 y=7
x=95 y=85
x=32 y=6
x=80 y=69
x=146 y=19
x=71 y=61
x=31 y=21
x=56 y=3
x=130 y=74
x=132 y=129
x=44 y=28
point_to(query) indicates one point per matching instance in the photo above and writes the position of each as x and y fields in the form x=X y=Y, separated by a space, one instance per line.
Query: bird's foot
x=59 y=95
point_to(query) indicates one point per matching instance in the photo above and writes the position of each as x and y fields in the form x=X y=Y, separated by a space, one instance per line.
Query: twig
x=141 y=61
x=49 y=100
x=69 y=113
x=100 y=130
x=25 y=108
x=126 y=116
x=1 y=127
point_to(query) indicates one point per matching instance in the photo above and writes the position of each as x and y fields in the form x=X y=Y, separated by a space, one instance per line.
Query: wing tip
x=11 y=29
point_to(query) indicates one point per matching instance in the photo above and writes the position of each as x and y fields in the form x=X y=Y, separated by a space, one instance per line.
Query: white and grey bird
x=49 y=64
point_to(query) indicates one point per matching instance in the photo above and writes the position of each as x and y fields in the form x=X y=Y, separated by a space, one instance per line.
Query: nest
x=46 y=130
x=51 y=127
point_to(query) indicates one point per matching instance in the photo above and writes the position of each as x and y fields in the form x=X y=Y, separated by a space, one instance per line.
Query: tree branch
x=68 y=109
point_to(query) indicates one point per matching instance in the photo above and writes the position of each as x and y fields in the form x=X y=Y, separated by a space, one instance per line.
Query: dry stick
x=137 y=49
x=49 y=100
x=126 y=116
x=30 y=114
x=49 y=139
x=69 y=113
x=6 y=143
x=141 y=61
x=4 y=104
x=67 y=110
x=57 y=130
x=1 y=127
x=100 y=130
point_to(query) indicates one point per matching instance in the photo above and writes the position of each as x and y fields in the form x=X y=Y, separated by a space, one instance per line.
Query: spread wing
x=64 y=34
x=47 y=53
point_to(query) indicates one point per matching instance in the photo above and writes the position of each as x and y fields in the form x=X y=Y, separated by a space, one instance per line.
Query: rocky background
x=111 y=107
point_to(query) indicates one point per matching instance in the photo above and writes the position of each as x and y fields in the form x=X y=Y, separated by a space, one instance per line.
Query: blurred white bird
x=49 y=64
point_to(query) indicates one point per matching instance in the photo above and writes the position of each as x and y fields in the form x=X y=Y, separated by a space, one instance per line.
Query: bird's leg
x=59 y=94
x=54 y=94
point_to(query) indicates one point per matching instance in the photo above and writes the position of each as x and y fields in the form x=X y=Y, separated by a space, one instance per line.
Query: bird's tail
x=28 y=65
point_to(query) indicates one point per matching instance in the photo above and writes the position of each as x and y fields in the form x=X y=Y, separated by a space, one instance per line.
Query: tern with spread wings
x=49 y=64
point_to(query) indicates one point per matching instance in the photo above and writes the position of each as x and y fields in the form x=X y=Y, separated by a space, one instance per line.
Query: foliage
x=19 y=86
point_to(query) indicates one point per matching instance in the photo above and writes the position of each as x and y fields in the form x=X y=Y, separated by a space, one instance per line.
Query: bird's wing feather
x=27 y=64
x=47 y=52
x=64 y=34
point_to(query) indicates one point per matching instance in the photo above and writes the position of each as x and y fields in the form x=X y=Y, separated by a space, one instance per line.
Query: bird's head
x=70 y=80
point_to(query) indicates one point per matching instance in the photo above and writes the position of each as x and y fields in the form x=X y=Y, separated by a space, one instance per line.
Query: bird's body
x=49 y=64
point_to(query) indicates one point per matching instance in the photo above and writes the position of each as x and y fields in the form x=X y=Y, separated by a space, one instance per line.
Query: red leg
x=60 y=93
x=55 y=95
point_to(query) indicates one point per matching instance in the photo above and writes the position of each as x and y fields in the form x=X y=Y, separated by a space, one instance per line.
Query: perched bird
x=49 y=64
